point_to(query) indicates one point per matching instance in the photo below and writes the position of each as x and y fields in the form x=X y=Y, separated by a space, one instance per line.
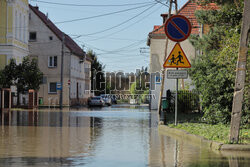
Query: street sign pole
x=177 y=28
x=163 y=70
x=176 y=100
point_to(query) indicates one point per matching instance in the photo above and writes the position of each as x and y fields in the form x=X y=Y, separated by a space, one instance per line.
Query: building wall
x=43 y=48
x=79 y=80
x=157 y=49
x=48 y=45
x=14 y=30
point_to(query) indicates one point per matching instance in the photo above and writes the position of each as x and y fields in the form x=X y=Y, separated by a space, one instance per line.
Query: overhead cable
x=120 y=23
x=90 y=5
x=102 y=15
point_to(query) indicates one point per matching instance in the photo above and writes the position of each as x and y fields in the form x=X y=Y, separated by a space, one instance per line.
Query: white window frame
x=49 y=88
x=53 y=61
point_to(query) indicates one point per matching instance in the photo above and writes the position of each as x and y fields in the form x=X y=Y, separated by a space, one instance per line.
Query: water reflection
x=113 y=136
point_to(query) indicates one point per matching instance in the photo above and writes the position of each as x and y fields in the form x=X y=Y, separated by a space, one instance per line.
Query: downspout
x=70 y=77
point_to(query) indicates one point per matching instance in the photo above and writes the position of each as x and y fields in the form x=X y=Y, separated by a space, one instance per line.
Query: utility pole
x=62 y=59
x=240 y=75
x=165 y=57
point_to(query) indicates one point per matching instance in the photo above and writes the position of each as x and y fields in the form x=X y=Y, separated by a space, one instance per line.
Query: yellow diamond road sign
x=177 y=58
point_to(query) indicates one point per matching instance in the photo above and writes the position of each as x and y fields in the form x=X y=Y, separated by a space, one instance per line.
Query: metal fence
x=188 y=101
x=188 y=106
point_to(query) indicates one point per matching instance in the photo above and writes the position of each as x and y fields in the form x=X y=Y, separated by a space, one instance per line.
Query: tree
x=213 y=72
x=29 y=75
x=97 y=74
x=24 y=76
x=8 y=74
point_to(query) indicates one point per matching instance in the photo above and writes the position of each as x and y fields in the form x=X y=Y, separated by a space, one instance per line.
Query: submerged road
x=117 y=136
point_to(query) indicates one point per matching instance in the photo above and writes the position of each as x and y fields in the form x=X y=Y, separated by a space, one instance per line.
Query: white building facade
x=14 y=15
x=46 y=44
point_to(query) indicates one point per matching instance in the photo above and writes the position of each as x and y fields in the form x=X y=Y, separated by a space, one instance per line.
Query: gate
x=5 y=98
x=33 y=100
x=188 y=101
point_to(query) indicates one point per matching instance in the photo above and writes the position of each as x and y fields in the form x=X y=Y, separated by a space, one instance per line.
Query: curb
x=165 y=130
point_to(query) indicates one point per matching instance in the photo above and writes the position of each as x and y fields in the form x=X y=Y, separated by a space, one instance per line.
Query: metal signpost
x=177 y=29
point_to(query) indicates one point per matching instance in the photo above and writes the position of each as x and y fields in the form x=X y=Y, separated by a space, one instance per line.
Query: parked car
x=96 y=101
x=113 y=99
x=107 y=99
x=133 y=101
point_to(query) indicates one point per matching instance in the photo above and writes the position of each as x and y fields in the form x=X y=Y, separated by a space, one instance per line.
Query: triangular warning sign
x=177 y=58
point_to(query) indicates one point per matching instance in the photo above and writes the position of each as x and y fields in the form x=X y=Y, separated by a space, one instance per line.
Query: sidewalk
x=178 y=133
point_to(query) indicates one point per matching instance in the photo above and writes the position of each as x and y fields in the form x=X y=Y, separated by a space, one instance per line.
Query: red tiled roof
x=69 y=42
x=188 y=11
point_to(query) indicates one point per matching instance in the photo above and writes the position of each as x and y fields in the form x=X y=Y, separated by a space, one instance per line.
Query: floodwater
x=101 y=137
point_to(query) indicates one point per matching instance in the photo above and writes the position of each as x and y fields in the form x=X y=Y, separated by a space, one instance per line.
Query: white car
x=107 y=99
x=96 y=101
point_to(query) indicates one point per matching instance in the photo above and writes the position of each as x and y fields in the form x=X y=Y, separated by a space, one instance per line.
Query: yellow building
x=14 y=17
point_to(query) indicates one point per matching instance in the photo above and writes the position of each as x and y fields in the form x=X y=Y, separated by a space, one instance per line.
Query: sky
x=115 y=30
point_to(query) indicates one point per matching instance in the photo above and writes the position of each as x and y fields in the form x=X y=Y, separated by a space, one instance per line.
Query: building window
x=20 y=27
x=24 y=29
x=50 y=38
x=52 y=87
x=86 y=86
x=16 y=25
x=52 y=61
x=32 y=36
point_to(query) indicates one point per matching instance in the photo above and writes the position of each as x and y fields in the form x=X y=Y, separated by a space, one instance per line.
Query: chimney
x=47 y=16
x=164 y=17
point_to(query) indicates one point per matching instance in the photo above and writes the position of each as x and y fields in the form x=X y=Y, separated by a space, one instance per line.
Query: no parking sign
x=178 y=28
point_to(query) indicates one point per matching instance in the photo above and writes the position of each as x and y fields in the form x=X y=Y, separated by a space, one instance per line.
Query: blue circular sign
x=177 y=28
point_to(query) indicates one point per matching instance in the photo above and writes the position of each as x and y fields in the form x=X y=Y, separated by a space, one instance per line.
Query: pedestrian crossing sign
x=177 y=58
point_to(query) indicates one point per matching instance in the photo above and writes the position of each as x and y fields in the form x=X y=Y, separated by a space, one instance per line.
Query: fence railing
x=188 y=101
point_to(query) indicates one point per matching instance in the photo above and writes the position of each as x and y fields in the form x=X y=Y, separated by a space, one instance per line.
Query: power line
x=125 y=28
x=116 y=51
x=120 y=23
x=102 y=15
x=90 y=5
x=119 y=49
x=161 y=3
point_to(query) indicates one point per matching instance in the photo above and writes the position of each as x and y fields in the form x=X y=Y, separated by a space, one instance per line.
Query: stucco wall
x=73 y=70
x=14 y=31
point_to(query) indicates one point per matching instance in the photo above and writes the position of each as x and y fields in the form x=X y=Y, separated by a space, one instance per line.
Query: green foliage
x=188 y=101
x=144 y=97
x=24 y=76
x=214 y=79
x=213 y=72
x=97 y=74
x=8 y=74
x=227 y=16
x=218 y=132
x=139 y=86
x=29 y=75
x=133 y=89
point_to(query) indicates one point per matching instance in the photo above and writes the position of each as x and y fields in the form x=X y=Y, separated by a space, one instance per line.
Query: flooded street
x=114 y=136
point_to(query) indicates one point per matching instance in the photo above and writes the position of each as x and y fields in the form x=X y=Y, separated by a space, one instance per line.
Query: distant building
x=45 y=44
x=14 y=17
x=157 y=42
